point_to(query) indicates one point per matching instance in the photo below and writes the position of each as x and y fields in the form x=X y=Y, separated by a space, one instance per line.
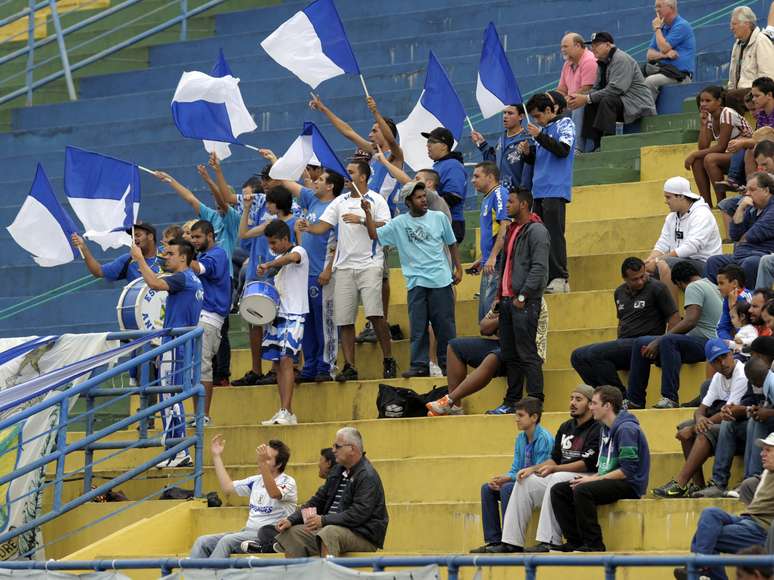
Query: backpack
x=400 y=402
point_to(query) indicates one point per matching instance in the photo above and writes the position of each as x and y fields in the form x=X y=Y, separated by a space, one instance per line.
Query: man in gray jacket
x=524 y=276
x=620 y=93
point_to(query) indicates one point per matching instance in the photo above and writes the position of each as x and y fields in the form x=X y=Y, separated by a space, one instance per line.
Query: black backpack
x=400 y=402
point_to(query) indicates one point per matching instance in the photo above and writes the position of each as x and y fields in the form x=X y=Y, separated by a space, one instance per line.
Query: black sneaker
x=323 y=377
x=269 y=378
x=671 y=490
x=391 y=368
x=412 y=372
x=504 y=548
x=300 y=379
x=396 y=333
x=484 y=549
x=566 y=547
x=631 y=405
x=540 y=548
x=600 y=548
x=250 y=379
x=348 y=373
x=368 y=334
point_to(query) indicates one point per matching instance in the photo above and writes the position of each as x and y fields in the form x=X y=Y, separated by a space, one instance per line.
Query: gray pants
x=658 y=80
x=526 y=495
x=299 y=543
x=221 y=545
x=765 y=272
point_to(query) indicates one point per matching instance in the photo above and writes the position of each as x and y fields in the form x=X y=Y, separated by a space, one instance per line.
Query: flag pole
x=253 y=147
x=365 y=88
x=467 y=118
x=146 y=170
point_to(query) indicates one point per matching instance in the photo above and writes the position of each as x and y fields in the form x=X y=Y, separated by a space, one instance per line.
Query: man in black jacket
x=347 y=514
x=524 y=276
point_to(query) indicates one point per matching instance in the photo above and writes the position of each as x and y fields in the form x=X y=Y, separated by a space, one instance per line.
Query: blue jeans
x=729 y=205
x=748 y=264
x=491 y=517
x=719 y=531
x=736 y=169
x=598 y=364
x=731 y=439
x=753 y=464
x=674 y=350
x=487 y=291
x=581 y=144
x=436 y=306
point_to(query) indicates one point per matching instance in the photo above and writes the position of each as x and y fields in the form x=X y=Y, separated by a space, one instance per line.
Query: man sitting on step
x=575 y=452
x=699 y=436
x=347 y=514
x=644 y=307
x=721 y=532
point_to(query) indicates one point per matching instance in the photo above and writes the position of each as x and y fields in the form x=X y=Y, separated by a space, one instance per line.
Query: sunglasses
x=338 y=446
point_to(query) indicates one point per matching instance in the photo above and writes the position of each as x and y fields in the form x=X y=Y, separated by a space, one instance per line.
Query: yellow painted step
x=618 y=200
x=660 y=162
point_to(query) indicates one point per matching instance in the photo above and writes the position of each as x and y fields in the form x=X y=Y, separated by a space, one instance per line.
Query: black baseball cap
x=441 y=134
x=146 y=227
x=601 y=37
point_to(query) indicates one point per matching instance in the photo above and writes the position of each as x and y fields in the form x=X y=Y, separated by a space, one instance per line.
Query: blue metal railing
x=172 y=389
x=60 y=34
x=610 y=563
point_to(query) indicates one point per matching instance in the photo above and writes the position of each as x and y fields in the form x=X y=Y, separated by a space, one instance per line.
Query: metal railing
x=48 y=9
x=180 y=352
x=610 y=563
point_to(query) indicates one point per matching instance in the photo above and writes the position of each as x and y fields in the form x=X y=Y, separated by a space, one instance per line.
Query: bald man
x=578 y=76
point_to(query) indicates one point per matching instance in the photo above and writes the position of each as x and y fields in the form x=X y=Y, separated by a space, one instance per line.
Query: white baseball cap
x=768 y=442
x=680 y=186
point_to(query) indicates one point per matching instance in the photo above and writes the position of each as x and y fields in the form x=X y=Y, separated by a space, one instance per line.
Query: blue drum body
x=259 y=303
x=140 y=307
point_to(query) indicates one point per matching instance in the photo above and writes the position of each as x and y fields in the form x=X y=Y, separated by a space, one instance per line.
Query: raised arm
x=341 y=126
x=396 y=153
x=181 y=190
x=150 y=277
x=401 y=176
x=224 y=479
x=226 y=193
x=91 y=263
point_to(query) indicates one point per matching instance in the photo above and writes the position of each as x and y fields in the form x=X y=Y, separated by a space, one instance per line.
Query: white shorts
x=283 y=337
x=353 y=286
x=210 y=346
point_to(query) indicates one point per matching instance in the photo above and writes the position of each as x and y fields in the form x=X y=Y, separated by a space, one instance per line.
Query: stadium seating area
x=432 y=468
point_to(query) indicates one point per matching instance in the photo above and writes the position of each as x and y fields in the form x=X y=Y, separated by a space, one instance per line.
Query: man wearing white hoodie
x=690 y=233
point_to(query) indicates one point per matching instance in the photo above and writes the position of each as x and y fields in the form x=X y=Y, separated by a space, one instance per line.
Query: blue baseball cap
x=714 y=348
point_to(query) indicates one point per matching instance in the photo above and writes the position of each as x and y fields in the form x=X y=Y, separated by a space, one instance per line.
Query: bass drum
x=140 y=307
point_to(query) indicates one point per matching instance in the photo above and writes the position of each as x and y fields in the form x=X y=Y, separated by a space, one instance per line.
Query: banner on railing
x=316 y=570
x=28 y=440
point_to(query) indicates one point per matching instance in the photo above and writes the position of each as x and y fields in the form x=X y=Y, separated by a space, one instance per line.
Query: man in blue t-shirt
x=552 y=180
x=320 y=342
x=514 y=172
x=453 y=184
x=672 y=52
x=212 y=268
x=420 y=237
x=185 y=297
x=123 y=268
x=494 y=222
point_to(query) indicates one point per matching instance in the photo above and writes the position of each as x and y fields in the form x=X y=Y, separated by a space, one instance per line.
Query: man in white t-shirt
x=357 y=266
x=283 y=337
x=272 y=494
x=700 y=435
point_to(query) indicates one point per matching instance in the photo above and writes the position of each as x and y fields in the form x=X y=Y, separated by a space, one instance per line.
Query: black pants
x=552 y=211
x=600 y=118
x=598 y=364
x=221 y=368
x=518 y=328
x=458 y=227
x=576 y=509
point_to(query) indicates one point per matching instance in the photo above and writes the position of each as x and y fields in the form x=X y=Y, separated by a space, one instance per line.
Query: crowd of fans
x=331 y=231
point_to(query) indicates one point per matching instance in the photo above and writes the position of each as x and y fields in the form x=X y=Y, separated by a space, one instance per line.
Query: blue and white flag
x=211 y=108
x=42 y=226
x=496 y=87
x=104 y=193
x=313 y=45
x=438 y=106
x=309 y=147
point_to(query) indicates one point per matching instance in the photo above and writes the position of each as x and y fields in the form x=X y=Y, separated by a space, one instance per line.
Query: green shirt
x=706 y=295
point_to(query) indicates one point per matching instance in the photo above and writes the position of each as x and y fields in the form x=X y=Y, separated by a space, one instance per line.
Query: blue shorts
x=472 y=350
x=283 y=337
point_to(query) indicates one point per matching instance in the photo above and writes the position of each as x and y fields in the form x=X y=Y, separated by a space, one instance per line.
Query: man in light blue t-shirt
x=420 y=237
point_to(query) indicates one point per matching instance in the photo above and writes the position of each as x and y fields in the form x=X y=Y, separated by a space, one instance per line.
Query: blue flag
x=496 y=87
x=310 y=145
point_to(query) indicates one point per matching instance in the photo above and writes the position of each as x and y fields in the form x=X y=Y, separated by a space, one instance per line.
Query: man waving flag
x=310 y=146
x=496 y=87
x=42 y=226
x=313 y=45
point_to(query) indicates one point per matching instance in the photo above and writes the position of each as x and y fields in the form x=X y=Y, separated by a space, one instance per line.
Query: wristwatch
x=521 y=298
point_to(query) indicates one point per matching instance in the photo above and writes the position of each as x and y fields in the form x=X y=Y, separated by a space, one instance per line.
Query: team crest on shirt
x=514 y=156
x=200 y=294
x=314 y=291
x=639 y=304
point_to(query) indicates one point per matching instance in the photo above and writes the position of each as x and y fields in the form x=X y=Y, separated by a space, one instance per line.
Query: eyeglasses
x=338 y=446
x=431 y=141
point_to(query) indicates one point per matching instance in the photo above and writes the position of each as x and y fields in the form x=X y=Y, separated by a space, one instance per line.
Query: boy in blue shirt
x=420 y=237
x=320 y=337
x=453 y=180
x=185 y=297
x=212 y=268
x=514 y=172
x=552 y=180
x=533 y=446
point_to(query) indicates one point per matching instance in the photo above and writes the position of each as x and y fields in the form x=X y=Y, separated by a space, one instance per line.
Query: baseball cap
x=146 y=227
x=409 y=189
x=601 y=37
x=768 y=442
x=441 y=134
x=680 y=186
x=715 y=348
x=585 y=390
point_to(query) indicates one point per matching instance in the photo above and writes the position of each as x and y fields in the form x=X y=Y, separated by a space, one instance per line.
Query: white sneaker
x=435 y=370
x=182 y=459
x=282 y=417
x=558 y=286
x=192 y=421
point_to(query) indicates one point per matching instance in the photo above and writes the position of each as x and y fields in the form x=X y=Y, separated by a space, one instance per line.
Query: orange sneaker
x=443 y=407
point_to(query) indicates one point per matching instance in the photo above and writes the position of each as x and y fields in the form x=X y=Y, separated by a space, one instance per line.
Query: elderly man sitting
x=347 y=514
x=753 y=53
x=672 y=52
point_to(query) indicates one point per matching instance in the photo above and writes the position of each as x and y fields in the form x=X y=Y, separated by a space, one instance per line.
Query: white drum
x=141 y=307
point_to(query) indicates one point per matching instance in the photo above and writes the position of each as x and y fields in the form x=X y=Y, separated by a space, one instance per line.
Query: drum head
x=257 y=310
